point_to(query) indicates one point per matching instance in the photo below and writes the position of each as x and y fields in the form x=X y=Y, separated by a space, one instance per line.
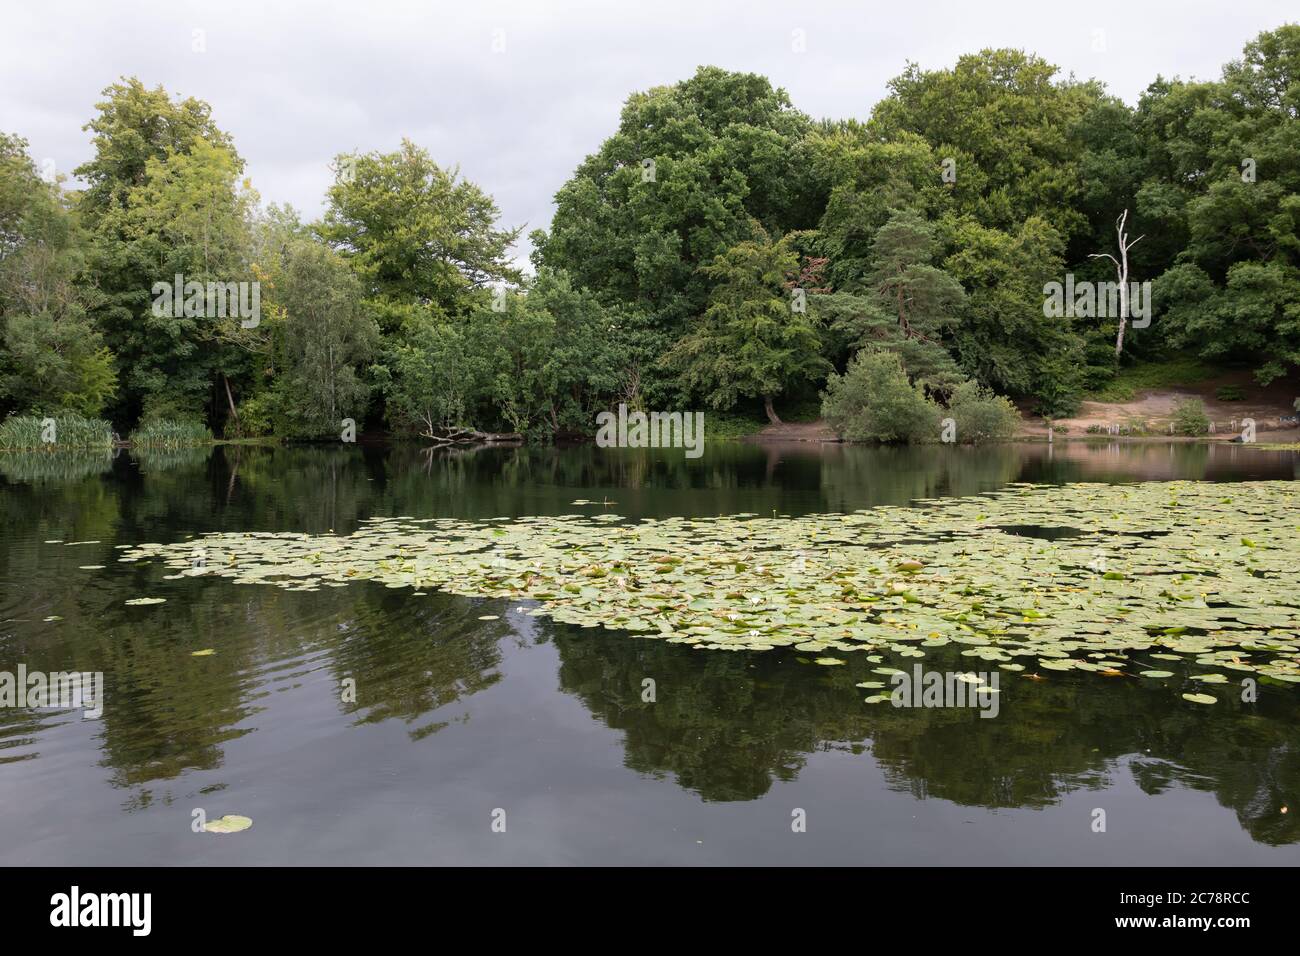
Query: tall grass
x=167 y=433
x=29 y=433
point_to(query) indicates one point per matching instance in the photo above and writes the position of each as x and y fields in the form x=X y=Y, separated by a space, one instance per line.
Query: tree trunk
x=230 y=399
x=771 y=412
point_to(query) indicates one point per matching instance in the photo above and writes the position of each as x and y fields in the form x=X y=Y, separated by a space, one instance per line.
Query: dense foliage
x=720 y=247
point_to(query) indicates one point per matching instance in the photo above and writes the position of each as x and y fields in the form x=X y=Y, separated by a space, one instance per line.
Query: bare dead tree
x=1121 y=270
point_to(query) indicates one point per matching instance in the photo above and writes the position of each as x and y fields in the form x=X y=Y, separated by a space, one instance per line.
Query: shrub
x=256 y=417
x=164 y=433
x=1229 y=393
x=875 y=401
x=70 y=431
x=980 y=414
x=1190 y=418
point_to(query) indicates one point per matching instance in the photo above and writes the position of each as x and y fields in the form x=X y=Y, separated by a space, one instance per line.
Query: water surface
x=457 y=718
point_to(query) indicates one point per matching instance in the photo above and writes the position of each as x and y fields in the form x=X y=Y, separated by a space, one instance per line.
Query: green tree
x=1234 y=290
x=558 y=356
x=191 y=217
x=429 y=377
x=1005 y=339
x=325 y=339
x=676 y=186
x=868 y=181
x=874 y=401
x=136 y=207
x=416 y=233
x=53 y=358
x=1017 y=126
x=911 y=306
x=752 y=342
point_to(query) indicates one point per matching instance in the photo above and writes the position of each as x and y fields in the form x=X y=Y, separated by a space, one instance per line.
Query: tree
x=415 y=233
x=1019 y=127
x=430 y=378
x=869 y=180
x=326 y=338
x=138 y=180
x=559 y=356
x=874 y=401
x=1121 y=275
x=1233 y=292
x=53 y=358
x=191 y=217
x=1004 y=339
x=910 y=306
x=676 y=186
x=751 y=341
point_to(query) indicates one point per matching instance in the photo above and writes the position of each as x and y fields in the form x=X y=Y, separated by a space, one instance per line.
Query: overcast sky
x=519 y=93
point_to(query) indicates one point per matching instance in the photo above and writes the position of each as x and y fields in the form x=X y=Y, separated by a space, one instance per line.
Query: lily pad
x=230 y=823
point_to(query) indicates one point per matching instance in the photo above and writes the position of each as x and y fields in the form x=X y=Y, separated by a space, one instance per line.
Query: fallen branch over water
x=468 y=436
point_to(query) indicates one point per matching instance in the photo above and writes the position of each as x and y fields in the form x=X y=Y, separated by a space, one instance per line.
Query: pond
x=374 y=723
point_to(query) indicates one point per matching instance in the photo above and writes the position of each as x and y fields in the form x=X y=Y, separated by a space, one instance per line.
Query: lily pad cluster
x=1122 y=578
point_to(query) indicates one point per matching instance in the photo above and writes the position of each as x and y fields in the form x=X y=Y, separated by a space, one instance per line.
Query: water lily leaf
x=893 y=581
x=230 y=823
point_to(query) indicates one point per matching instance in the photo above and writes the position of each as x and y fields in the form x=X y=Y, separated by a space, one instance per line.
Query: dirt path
x=1151 y=410
x=1271 y=408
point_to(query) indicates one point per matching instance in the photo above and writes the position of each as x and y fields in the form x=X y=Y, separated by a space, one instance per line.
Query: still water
x=458 y=722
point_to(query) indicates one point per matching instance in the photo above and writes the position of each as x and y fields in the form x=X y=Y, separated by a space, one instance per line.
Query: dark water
x=458 y=718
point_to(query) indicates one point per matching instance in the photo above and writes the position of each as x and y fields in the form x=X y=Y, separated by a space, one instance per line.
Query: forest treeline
x=721 y=249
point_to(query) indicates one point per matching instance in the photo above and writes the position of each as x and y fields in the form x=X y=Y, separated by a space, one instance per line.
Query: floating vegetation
x=1200 y=573
x=143 y=601
x=230 y=823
